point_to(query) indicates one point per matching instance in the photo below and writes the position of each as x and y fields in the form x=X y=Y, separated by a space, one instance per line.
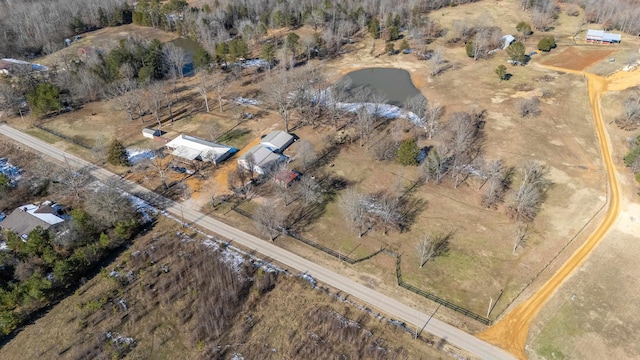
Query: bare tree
x=425 y=248
x=204 y=84
x=436 y=61
x=175 y=58
x=632 y=106
x=72 y=180
x=278 y=93
x=497 y=179
x=269 y=219
x=306 y=154
x=432 y=245
x=354 y=206
x=309 y=190
x=521 y=235
x=126 y=94
x=162 y=166
x=530 y=194
x=389 y=211
x=418 y=105
x=108 y=206
x=364 y=124
x=435 y=166
x=433 y=113
x=220 y=84
x=154 y=96
x=335 y=96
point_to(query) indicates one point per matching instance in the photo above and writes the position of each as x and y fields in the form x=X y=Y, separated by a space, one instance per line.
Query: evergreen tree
x=408 y=152
x=118 y=154
x=501 y=71
x=44 y=98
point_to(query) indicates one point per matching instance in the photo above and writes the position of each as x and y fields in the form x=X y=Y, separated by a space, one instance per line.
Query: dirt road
x=511 y=332
x=392 y=307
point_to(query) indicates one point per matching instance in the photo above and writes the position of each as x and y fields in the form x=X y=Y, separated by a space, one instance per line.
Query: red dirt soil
x=579 y=58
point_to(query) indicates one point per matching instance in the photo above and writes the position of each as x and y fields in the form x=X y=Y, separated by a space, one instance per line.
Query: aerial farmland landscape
x=340 y=179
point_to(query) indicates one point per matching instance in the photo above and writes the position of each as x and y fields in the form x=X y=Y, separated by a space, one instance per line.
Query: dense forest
x=32 y=27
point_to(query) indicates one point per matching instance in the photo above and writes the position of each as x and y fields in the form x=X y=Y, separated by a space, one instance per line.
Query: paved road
x=388 y=305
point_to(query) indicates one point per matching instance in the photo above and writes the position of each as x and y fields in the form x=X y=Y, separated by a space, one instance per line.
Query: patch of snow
x=137 y=155
x=310 y=279
x=381 y=110
x=3 y=246
x=237 y=356
x=119 y=340
x=254 y=63
x=9 y=170
x=246 y=101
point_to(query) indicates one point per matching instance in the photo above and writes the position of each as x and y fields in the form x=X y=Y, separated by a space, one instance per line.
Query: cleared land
x=580 y=58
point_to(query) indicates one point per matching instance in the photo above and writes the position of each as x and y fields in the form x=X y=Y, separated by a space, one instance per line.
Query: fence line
x=388 y=252
x=329 y=251
x=65 y=137
x=435 y=298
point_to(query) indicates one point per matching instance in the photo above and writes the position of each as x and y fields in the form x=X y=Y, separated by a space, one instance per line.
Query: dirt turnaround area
x=579 y=58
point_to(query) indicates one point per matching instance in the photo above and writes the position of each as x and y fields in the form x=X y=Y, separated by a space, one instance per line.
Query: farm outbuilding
x=151 y=133
x=193 y=148
x=602 y=37
x=507 y=40
x=286 y=177
x=277 y=140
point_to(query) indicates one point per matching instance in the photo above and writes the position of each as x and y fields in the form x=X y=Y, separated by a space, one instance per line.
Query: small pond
x=394 y=84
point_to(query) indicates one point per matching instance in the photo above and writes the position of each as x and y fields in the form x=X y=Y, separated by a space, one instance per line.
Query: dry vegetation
x=170 y=296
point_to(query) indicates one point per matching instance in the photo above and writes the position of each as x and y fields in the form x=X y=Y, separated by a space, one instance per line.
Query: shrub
x=529 y=107
x=546 y=43
x=631 y=156
x=501 y=71
x=524 y=28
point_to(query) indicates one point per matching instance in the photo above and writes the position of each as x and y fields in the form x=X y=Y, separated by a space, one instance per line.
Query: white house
x=262 y=159
x=26 y=218
x=277 y=140
x=193 y=148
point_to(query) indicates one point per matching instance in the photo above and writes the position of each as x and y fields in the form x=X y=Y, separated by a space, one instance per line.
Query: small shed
x=277 y=140
x=286 y=177
x=151 y=133
x=507 y=40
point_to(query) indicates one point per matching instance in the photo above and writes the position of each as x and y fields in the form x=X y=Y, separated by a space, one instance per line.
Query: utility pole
x=490 y=303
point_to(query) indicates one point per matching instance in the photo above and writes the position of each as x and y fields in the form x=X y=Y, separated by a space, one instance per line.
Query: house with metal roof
x=28 y=217
x=193 y=148
x=602 y=37
x=278 y=140
x=261 y=159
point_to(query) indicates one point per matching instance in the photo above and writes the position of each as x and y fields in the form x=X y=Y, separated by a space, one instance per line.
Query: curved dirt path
x=512 y=331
